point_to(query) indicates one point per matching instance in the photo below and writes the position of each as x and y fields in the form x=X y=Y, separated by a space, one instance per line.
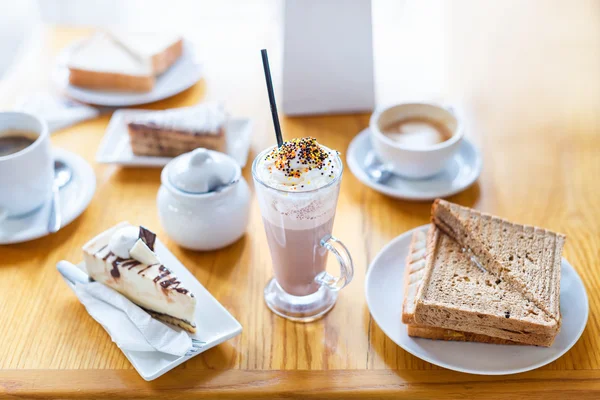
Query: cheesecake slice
x=169 y=133
x=124 y=260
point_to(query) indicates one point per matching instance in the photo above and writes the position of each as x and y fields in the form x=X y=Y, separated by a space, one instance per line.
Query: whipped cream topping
x=299 y=165
x=126 y=243
x=123 y=240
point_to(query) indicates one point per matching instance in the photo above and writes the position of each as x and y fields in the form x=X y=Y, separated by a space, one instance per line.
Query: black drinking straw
x=265 y=61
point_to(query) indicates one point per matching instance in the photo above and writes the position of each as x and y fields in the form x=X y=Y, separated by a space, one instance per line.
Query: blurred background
x=431 y=49
x=238 y=28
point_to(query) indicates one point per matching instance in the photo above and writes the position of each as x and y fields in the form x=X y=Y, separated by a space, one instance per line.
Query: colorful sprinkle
x=308 y=152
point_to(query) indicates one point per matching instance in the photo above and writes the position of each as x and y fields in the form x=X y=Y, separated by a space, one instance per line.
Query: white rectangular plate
x=214 y=323
x=115 y=147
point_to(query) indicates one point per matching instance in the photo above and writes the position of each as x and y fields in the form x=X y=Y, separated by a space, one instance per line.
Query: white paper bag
x=328 y=57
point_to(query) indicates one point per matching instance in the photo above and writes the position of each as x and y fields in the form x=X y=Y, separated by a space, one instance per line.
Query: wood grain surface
x=526 y=77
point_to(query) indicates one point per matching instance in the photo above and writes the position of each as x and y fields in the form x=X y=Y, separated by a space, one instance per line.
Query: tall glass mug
x=298 y=225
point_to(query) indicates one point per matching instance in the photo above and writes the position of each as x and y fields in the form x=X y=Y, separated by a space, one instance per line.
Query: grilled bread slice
x=455 y=293
x=413 y=277
x=160 y=49
x=526 y=257
x=101 y=63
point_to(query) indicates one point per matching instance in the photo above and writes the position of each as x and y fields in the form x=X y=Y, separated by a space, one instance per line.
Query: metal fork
x=197 y=346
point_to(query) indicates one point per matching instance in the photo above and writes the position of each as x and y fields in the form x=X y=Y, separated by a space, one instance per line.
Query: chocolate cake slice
x=169 y=133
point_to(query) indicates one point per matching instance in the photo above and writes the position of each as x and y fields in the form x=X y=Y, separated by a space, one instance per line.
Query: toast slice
x=455 y=293
x=433 y=333
x=100 y=63
x=161 y=50
x=527 y=257
x=413 y=278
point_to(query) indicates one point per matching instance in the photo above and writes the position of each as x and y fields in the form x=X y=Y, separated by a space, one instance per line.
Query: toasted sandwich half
x=526 y=257
x=160 y=49
x=456 y=293
x=101 y=63
x=413 y=278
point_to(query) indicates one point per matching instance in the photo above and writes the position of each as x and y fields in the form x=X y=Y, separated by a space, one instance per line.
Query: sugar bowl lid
x=202 y=171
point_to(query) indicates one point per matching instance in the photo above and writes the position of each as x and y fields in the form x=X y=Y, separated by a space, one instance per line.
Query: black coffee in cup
x=13 y=141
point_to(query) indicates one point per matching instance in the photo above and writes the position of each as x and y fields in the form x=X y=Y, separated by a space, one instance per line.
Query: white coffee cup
x=25 y=176
x=415 y=163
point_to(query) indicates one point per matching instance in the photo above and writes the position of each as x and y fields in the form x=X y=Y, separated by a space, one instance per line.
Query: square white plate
x=214 y=323
x=115 y=147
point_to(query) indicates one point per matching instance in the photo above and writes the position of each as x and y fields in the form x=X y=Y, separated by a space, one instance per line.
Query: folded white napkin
x=58 y=111
x=130 y=327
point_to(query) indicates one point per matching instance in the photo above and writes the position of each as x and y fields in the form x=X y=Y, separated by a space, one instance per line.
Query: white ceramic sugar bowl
x=203 y=202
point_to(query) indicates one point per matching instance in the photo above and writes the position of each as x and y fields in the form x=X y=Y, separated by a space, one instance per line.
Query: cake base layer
x=154 y=141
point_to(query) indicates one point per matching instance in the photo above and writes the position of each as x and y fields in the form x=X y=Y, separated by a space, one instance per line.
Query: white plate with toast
x=116 y=149
x=385 y=293
x=182 y=75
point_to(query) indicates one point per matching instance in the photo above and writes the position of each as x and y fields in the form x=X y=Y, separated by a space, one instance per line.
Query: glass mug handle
x=344 y=258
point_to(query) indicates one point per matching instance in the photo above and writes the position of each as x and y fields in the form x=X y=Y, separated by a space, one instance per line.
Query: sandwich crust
x=431 y=332
x=110 y=80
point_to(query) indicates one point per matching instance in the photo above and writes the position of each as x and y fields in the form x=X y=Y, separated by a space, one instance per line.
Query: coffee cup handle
x=3 y=214
x=344 y=258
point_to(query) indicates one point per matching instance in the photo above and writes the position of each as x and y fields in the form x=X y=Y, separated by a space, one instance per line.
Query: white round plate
x=183 y=74
x=384 y=288
x=462 y=171
x=74 y=199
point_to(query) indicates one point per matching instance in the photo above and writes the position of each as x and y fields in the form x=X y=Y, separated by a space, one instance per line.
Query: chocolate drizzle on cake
x=144 y=269
x=131 y=264
x=165 y=272
x=114 y=272
x=165 y=284
x=172 y=283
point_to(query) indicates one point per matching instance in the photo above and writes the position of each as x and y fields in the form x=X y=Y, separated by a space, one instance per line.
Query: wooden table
x=527 y=75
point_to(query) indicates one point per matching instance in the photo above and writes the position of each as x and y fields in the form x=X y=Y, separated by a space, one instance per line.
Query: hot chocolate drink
x=297 y=256
x=297 y=186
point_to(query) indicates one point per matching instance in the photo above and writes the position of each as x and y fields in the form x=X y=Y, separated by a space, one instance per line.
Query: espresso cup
x=415 y=162
x=26 y=175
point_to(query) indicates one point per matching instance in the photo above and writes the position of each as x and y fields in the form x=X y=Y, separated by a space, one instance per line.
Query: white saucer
x=182 y=75
x=74 y=199
x=462 y=171
x=116 y=149
x=385 y=292
x=215 y=324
